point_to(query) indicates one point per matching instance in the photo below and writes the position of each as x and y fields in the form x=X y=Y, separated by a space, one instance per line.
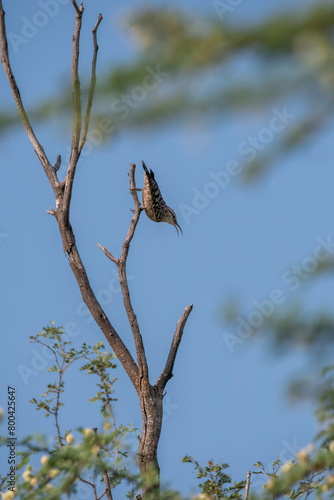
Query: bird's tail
x=147 y=172
x=144 y=167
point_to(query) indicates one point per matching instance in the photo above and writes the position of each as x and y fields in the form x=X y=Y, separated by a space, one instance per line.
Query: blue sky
x=224 y=405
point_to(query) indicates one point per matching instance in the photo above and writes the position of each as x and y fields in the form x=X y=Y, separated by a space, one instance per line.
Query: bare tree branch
x=92 y=85
x=247 y=485
x=98 y=313
x=76 y=100
x=90 y=484
x=107 y=483
x=168 y=370
x=75 y=5
x=136 y=214
x=108 y=254
x=102 y=495
x=121 y=266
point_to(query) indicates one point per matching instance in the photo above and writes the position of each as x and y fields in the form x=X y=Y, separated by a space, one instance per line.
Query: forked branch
x=121 y=266
x=63 y=192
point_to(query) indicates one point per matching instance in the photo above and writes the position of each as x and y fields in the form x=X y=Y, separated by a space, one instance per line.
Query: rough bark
x=152 y=413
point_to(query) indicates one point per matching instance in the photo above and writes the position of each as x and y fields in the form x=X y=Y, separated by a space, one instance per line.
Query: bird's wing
x=152 y=199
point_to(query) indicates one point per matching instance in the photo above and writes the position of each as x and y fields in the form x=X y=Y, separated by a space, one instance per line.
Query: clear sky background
x=224 y=405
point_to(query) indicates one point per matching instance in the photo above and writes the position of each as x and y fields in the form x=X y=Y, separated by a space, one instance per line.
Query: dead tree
x=150 y=395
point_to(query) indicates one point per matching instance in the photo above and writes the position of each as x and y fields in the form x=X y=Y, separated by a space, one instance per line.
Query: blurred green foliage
x=91 y=454
x=188 y=66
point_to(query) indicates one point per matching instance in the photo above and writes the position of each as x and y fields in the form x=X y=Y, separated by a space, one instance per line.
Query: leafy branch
x=216 y=481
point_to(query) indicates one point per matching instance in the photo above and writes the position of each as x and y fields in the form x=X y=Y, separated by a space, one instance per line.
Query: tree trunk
x=150 y=396
x=151 y=407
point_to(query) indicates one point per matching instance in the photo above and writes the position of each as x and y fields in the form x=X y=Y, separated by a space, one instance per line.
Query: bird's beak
x=177 y=230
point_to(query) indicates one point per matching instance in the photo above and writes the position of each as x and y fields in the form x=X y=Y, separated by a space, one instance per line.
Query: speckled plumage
x=153 y=201
x=154 y=205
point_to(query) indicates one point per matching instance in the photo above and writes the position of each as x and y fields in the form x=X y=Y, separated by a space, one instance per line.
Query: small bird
x=154 y=205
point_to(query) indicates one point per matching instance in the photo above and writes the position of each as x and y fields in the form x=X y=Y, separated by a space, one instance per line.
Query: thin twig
x=58 y=389
x=75 y=77
x=105 y=474
x=76 y=101
x=102 y=495
x=92 y=85
x=117 y=441
x=247 y=485
x=107 y=403
x=121 y=266
x=136 y=214
x=57 y=405
x=61 y=370
x=141 y=357
x=90 y=484
x=108 y=254
x=75 y=5
x=133 y=224
x=168 y=370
